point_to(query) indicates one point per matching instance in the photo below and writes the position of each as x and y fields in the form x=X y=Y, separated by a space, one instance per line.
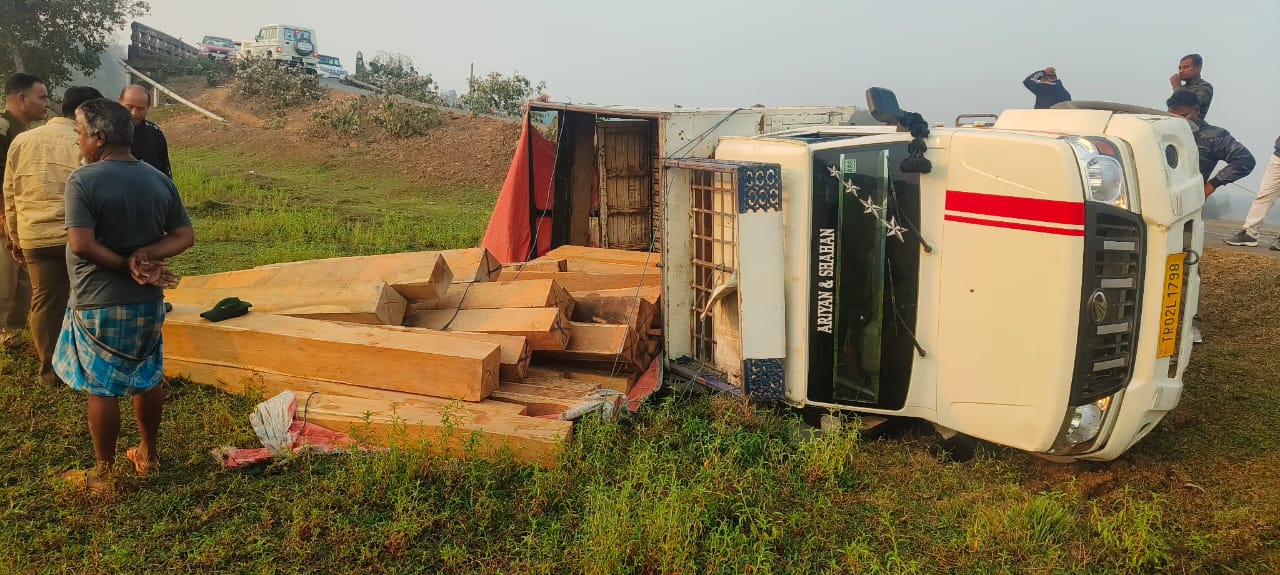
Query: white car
x=293 y=45
x=331 y=67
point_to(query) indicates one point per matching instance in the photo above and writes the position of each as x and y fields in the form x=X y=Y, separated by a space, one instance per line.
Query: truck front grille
x=1110 y=304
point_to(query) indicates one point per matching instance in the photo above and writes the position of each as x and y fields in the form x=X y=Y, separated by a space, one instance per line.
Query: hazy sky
x=942 y=57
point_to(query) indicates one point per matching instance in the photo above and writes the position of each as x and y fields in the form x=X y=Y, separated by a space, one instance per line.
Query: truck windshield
x=865 y=262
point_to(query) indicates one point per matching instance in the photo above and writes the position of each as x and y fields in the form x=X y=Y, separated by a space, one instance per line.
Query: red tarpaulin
x=509 y=235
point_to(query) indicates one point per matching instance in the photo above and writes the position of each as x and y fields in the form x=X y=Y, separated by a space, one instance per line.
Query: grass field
x=695 y=484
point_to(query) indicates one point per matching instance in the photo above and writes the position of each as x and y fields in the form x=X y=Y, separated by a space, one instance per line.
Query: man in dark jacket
x=25 y=101
x=1268 y=192
x=149 y=144
x=1215 y=144
x=1047 y=88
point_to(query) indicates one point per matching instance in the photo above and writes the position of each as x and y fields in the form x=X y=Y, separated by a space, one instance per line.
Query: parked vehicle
x=330 y=67
x=292 y=45
x=216 y=48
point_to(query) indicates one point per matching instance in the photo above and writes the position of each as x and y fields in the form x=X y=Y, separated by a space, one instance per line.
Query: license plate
x=1171 y=308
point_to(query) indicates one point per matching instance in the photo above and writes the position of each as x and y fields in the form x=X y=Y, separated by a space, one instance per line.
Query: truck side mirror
x=883 y=105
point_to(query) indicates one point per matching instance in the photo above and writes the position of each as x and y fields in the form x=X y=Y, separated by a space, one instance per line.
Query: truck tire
x=304 y=47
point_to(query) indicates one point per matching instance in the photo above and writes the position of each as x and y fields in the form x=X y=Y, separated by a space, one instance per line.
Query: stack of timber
x=446 y=345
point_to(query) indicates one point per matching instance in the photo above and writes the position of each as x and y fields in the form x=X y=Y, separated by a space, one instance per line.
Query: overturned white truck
x=1029 y=282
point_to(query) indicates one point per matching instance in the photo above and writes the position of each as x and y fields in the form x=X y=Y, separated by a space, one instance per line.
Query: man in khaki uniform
x=1188 y=78
x=39 y=162
x=25 y=101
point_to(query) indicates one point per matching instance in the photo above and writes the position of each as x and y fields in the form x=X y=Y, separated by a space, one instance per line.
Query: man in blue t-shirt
x=124 y=221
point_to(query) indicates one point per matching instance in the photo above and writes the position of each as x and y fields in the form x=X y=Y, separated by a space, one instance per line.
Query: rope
x=915 y=162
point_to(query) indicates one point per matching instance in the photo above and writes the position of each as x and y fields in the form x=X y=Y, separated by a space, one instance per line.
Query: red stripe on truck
x=1050 y=211
x=1016 y=226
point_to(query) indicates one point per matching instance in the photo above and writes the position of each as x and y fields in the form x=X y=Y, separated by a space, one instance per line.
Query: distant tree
x=395 y=73
x=52 y=38
x=501 y=95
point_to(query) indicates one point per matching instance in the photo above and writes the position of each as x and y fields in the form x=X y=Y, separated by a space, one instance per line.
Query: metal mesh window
x=715 y=254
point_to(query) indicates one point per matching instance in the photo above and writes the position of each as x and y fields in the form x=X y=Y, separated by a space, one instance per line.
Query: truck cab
x=285 y=44
x=1031 y=286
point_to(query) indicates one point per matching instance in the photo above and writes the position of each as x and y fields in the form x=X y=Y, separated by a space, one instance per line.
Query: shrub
x=501 y=95
x=275 y=87
x=396 y=74
x=216 y=72
x=355 y=117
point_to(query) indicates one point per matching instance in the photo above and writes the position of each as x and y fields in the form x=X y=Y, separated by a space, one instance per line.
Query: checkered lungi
x=111 y=351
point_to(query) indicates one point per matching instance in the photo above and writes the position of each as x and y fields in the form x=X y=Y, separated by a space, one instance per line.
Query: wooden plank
x=651 y=294
x=358 y=302
x=506 y=294
x=544 y=391
x=540 y=265
x=418 y=276
x=599 y=344
x=545 y=394
x=472 y=265
x=605 y=378
x=369 y=356
x=544 y=328
x=583 y=281
x=243 y=380
x=606 y=255
x=514 y=352
x=630 y=311
x=595 y=267
x=582 y=176
x=454 y=431
x=572 y=387
x=533 y=405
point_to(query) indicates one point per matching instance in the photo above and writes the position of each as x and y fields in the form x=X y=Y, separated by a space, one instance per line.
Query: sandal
x=140 y=465
x=89 y=479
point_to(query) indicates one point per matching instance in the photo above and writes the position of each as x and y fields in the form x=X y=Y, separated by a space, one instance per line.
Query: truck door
x=626 y=177
x=723 y=274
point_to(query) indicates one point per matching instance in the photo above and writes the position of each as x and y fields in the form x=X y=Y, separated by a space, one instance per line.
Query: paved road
x=1216 y=230
x=334 y=84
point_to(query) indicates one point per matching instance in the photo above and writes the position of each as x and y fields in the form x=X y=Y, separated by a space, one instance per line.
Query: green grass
x=692 y=485
x=277 y=212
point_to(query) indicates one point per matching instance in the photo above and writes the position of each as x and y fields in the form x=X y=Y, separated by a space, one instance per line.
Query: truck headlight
x=1085 y=423
x=1101 y=171
x=1082 y=427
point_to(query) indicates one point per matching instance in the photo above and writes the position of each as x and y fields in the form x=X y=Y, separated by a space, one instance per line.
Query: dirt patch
x=463 y=149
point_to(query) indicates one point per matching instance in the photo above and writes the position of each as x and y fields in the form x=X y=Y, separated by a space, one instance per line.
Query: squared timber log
x=506 y=294
x=514 y=352
x=605 y=255
x=455 y=430
x=421 y=277
x=472 y=265
x=369 y=356
x=584 y=281
x=242 y=380
x=599 y=345
x=544 y=328
x=357 y=302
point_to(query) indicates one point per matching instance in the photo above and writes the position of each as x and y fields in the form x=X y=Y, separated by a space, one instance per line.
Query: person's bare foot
x=142 y=464
x=94 y=480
